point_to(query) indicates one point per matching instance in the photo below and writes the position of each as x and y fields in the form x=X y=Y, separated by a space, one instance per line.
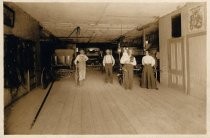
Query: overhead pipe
x=77 y=29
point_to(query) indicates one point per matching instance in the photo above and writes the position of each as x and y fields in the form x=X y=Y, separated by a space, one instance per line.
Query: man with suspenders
x=108 y=63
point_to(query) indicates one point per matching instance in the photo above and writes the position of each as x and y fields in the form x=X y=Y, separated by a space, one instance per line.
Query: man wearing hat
x=128 y=61
x=108 y=63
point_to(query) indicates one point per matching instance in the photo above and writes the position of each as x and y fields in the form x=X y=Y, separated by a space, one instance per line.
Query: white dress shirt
x=108 y=59
x=148 y=60
x=125 y=59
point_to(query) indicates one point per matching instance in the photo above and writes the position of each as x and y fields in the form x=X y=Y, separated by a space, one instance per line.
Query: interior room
x=49 y=90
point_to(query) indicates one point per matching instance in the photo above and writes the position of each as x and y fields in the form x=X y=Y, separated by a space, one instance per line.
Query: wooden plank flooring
x=100 y=108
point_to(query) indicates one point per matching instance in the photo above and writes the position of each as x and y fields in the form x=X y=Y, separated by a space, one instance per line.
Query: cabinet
x=19 y=63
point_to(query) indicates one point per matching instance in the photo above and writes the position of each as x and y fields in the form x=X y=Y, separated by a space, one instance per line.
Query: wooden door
x=176 y=63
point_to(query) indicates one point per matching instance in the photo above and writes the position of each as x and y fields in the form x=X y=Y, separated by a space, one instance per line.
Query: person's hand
x=127 y=61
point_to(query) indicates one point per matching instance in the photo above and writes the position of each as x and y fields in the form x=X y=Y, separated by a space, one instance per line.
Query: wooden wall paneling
x=188 y=57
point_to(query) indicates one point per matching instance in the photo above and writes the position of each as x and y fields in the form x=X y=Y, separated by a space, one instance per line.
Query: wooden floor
x=100 y=108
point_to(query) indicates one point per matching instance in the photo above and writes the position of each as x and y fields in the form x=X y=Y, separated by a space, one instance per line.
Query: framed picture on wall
x=196 y=19
x=9 y=16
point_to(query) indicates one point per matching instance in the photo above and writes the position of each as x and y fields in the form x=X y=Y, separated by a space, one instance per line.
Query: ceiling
x=99 y=22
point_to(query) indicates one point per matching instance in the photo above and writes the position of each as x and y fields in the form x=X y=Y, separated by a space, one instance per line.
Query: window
x=176 y=26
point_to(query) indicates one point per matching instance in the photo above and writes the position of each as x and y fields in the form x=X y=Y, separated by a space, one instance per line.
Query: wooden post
x=144 y=38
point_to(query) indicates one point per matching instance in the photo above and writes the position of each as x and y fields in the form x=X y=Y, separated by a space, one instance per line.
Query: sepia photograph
x=104 y=68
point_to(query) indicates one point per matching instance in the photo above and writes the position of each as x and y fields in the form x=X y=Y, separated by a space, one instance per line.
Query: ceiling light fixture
x=92 y=24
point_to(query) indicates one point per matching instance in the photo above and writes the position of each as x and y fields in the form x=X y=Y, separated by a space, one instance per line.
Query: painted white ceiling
x=99 y=22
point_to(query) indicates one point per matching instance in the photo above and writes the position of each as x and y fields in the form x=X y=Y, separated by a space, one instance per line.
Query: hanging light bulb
x=146 y=45
x=78 y=30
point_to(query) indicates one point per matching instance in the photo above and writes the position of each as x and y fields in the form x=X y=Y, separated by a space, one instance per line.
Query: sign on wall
x=196 y=19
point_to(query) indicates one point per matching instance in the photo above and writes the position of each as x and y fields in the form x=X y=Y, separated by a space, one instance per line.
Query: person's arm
x=76 y=59
x=122 y=60
x=86 y=58
x=113 y=61
x=153 y=62
x=104 y=59
x=143 y=61
x=134 y=61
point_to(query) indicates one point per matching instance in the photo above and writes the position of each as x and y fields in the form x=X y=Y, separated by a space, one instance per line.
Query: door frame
x=188 y=58
x=183 y=64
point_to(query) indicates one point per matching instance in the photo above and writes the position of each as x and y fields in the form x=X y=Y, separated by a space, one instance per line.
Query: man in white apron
x=80 y=62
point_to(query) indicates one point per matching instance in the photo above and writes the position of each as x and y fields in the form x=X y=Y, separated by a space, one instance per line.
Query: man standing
x=108 y=63
x=129 y=61
x=80 y=63
x=148 y=79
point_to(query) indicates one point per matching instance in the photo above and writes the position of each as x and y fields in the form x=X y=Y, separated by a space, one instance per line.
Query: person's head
x=130 y=52
x=146 y=53
x=108 y=52
x=125 y=50
x=82 y=51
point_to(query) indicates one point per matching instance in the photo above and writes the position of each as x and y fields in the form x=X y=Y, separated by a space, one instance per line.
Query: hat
x=81 y=50
x=108 y=50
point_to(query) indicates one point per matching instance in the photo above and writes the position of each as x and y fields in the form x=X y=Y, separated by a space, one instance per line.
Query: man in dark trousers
x=108 y=63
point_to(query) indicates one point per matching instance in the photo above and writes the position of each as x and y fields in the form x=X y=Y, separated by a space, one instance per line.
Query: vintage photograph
x=105 y=68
